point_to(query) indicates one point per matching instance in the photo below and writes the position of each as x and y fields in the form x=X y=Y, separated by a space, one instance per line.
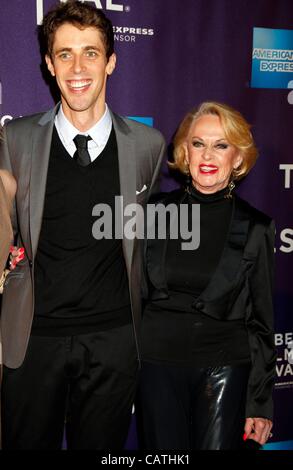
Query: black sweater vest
x=80 y=282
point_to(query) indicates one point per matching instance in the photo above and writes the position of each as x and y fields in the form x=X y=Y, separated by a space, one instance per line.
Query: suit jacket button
x=199 y=305
x=30 y=263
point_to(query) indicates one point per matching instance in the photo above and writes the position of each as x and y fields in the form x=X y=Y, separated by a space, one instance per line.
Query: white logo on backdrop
x=102 y=4
x=286 y=238
x=287 y=168
x=284 y=369
x=290 y=353
x=121 y=33
x=290 y=94
x=129 y=33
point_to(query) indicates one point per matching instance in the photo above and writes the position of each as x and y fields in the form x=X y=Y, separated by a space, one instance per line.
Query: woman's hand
x=16 y=255
x=258 y=429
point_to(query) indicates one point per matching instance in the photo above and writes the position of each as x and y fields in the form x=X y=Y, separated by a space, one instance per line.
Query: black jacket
x=241 y=287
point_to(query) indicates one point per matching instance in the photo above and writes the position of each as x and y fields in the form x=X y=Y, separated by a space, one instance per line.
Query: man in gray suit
x=71 y=309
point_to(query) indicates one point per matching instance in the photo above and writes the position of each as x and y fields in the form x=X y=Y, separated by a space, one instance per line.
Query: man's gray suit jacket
x=25 y=151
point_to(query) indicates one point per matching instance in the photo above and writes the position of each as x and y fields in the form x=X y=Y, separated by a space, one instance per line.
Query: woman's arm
x=260 y=324
x=9 y=184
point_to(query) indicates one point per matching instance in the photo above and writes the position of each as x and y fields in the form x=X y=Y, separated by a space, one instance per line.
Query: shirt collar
x=99 y=132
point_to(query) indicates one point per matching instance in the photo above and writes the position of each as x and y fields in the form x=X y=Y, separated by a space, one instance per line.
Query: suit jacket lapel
x=127 y=176
x=156 y=253
x=228 y=268
x=40 y=160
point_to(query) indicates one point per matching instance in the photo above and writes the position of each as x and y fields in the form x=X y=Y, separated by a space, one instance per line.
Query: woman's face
x=210 y=157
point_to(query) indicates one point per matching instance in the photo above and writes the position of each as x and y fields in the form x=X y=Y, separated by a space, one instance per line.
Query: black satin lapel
x=229 y=266
x=156 y=255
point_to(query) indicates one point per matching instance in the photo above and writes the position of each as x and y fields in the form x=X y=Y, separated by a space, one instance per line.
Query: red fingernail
x=21 y=250
x=20 y=257
x=11 y=249
x=244 y=437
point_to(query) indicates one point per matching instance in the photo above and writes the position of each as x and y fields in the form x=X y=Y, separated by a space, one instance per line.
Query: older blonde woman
x=207 y=337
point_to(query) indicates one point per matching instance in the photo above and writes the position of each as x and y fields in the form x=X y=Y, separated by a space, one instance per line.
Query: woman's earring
x=231 y=186
x=187 y=182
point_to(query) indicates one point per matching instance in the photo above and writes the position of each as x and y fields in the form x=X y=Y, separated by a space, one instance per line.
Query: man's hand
x=258 y=429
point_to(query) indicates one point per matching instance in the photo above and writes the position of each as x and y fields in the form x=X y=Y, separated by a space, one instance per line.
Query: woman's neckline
x=206 y=198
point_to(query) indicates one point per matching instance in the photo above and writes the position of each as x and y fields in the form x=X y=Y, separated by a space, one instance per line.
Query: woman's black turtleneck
x=173 y=331
x=190 y=271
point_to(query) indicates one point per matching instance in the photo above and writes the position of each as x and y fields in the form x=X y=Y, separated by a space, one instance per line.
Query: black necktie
x=82 y=155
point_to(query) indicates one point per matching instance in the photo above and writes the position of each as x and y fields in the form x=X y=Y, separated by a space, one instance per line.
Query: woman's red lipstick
x=206 y=169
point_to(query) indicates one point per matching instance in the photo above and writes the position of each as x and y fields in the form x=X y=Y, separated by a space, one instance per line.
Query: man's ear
x=50 y=65
x=110 y=67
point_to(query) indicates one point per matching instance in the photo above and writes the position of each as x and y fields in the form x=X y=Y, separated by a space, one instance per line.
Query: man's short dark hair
x=81 y=15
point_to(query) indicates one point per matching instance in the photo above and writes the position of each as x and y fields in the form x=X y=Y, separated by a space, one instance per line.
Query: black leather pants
x=184 y=407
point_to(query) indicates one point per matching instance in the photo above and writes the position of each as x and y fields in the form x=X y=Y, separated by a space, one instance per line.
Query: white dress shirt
x=99 y=133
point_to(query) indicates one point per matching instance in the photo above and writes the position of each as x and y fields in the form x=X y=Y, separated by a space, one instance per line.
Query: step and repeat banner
x=172 y=55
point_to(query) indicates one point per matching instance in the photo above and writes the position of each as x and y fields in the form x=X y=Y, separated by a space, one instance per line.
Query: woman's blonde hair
x=236 y=130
